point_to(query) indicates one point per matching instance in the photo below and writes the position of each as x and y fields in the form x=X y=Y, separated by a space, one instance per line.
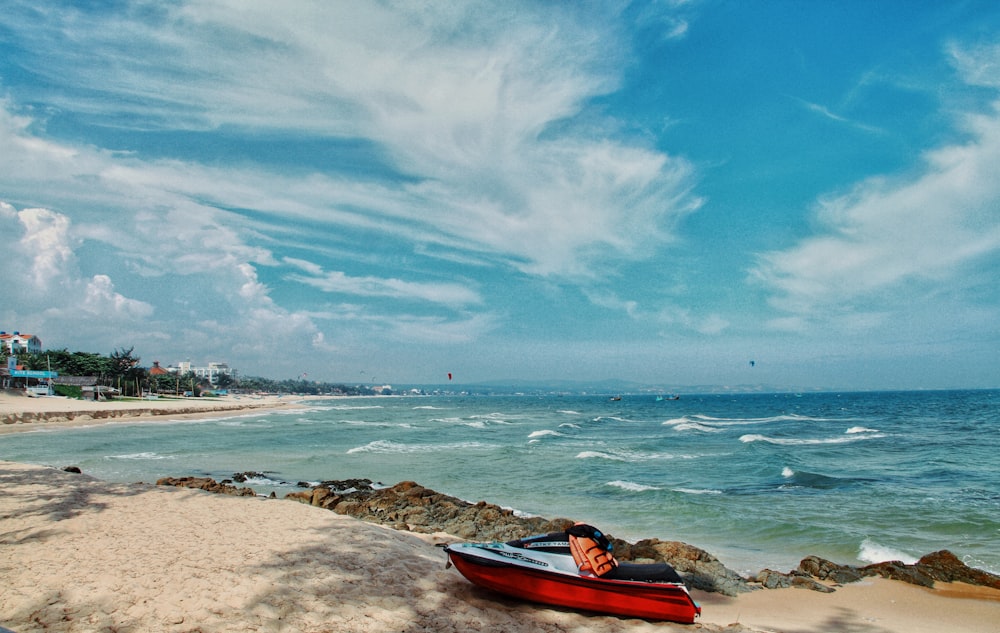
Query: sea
x=758 y=480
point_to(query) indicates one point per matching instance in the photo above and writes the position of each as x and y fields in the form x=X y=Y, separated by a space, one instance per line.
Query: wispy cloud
x=369 y=286
x=888 y=237
x=826 y=112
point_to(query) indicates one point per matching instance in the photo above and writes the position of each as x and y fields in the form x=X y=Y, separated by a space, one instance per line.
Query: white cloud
x=473 y=103
x=370 y=286
x=886 y=238
x=46 y=242
x=101 y=300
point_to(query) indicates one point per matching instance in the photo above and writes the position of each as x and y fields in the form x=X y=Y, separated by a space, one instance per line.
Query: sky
x=389 y=192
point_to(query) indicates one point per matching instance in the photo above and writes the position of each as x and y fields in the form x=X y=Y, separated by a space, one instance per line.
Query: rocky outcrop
x=699 y=569
x=207 y=484
x=410 y=506
x=938 y=566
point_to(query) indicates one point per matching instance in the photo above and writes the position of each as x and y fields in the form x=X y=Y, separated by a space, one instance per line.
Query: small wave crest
x=623 y=456
x=387 y=446
x=802 y=441
x=697 y=491
x=145 y=455
x=630 y=486
x=872 y=552
x=544 y=433
x=860 y=429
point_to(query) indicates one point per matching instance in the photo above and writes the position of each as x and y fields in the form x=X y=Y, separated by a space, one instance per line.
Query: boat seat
x=644 y=572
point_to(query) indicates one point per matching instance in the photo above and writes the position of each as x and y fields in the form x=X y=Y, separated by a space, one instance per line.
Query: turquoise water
x=758 y=480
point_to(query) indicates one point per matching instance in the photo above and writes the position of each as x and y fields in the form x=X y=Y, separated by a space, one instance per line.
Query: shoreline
x=23 y=413
x=81 y=554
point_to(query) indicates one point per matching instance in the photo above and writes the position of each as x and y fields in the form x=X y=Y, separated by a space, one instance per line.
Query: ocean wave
x=545 y=433
x=610 y=418
x=697 y=491
x=793 y=441
x=804 y=479
x=568 y=412
x=145 y=455
x=872 y=552
x=623 y=456
x=448 y=420
x=860 y=429
x=353 y=407
x=784 y=417
x=430 y=408
x=387 y=446
x=694 y=426
x=569 y=425
x=631 y=486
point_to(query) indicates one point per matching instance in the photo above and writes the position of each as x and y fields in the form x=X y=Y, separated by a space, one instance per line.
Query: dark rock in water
x=73 y=469
x=250 y=474
x=347 y=485
x=206 y=483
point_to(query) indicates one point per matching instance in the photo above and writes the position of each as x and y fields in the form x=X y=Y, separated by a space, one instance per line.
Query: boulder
x=207 y=484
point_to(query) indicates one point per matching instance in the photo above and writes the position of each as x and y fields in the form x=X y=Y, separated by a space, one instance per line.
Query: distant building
x=156 y=370
x=210 y=373
x=18 y=343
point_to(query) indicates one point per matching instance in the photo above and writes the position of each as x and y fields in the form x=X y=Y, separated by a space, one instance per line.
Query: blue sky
x=657 y=191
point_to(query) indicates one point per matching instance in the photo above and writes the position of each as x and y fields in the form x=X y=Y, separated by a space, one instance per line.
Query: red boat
x=544 y=569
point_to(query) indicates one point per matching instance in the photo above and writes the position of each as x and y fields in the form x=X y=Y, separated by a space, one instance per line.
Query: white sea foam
x=787 y=441
x=787 y=472
x=146 y=455
x=872 y=552
x=349 y=407
x=694 y=426
x=568 y=412
x=631 y=486
x=386 y=446
x=860 y=429
x=431 y=408
x=623 y=456
x=545 y=433
x=569 y=425
x=697 y=491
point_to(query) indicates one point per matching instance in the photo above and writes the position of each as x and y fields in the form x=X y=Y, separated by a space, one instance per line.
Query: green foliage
x=69 y=391
x=121 y=370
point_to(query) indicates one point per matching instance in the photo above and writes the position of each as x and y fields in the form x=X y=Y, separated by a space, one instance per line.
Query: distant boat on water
x=662 y=398
x=615 y=398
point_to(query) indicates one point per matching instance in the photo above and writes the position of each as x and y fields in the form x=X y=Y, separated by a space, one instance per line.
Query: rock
x=825 y=570
x=73 y=469
x=207 y=484
x=250 y=474
x=942 y=565
x=946 y=567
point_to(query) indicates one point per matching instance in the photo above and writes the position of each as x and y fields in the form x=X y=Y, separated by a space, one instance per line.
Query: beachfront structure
x=18 y=343
x=210 y=372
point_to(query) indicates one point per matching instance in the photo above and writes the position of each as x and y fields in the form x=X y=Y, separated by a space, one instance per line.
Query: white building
x=18 y=343
x=211 y=372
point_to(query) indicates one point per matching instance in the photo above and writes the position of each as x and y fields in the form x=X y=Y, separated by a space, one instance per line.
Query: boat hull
x=648 y=600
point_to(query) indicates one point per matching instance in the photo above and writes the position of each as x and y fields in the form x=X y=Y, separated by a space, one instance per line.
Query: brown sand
x=78 y=554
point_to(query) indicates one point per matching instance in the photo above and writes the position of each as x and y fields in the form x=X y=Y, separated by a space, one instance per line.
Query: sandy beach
x=23 y=413
x=79 y=554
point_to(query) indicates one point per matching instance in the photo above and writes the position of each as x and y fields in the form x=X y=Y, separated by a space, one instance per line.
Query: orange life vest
x=591 y=550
